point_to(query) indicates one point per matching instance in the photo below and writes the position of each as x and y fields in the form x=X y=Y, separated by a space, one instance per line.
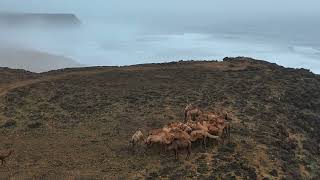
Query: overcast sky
x=117 y=32
x=141 y=11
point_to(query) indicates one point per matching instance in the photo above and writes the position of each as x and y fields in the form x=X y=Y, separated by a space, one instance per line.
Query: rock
x=9 y=123
x=274 y=173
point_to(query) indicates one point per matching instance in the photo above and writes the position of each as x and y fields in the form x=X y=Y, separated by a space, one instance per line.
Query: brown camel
x=214 y=129
x=219 y=127
x=180 y=144
x=3 y=157
x=224 y=125
x=178 y=126
x=180 y=134
x=211 y=116
x=160 y=138
x=187 y=109
x=197 y=126
x=191 y=112
x=201 y=134
x=160 y=130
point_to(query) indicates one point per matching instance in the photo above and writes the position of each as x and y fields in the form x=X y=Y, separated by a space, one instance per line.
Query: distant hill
x=24 y=19
x=76 y=123
x=33 y=60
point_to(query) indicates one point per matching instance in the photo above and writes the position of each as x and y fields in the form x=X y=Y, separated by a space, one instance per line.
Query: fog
x=117 y=32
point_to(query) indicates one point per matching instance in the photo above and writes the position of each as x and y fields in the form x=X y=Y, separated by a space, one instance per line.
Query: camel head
x=147 y=141
x=188 y=107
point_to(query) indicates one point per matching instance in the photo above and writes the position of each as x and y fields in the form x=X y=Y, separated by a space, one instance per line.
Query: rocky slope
x=76 y=123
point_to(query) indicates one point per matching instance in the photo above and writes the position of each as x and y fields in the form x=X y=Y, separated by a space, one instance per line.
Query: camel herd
x=178 y=136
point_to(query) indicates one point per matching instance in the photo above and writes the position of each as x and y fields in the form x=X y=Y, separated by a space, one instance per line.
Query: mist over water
x=122 y=33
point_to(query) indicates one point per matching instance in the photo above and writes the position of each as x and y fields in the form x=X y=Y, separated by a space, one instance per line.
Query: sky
x=118 y=32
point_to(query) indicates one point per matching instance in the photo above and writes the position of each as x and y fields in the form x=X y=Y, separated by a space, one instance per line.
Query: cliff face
x=77 y=122
x=25 y=19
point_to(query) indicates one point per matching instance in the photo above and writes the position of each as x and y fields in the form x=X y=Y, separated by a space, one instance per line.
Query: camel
x=161 y=138
x=187 y=109
x=178 y=126
x=4 y=156
x=136 y=138
x=211 y=128
x=180 y=134
x=201 y=134
x=220 y=128
x=160 y=130
x=185 y=128
x=180 y=144
x=166 y=135
x=210 y=116
x=197 y=126
x=192 y=112
x=224 y=125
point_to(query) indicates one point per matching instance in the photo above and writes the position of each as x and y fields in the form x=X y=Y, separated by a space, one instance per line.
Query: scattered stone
x=274 y=173
x=9 y=123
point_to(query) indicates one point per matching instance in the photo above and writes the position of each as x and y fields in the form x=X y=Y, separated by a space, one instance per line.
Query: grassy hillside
x=76 y=123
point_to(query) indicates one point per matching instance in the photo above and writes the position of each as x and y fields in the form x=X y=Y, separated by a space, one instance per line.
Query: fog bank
x=121 y=32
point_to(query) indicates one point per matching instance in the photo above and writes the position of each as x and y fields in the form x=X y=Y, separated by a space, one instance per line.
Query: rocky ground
x=76 y=123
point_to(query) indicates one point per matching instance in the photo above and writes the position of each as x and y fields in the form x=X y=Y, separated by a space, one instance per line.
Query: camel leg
x=221 y=136
x=188 y=152
x=185 y=116
x=160 y=147
x=205 y=142
x=224 y=133
x=164 y=148
x=228 y=131
x=133 y=147
x=176 y=153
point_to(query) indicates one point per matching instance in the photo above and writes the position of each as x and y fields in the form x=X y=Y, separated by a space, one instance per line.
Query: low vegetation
x=77 y=123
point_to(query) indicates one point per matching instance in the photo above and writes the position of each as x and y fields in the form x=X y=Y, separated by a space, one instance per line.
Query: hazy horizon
x=123 y=33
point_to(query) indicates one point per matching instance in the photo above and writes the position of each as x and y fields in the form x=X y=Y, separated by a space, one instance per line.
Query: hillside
x=76 y=123
x=33 y=60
